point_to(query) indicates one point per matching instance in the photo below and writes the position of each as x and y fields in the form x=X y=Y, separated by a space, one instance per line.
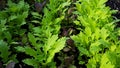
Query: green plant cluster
x=44 y=38
x=98 y=38
x=11 y=20
x=37 y=34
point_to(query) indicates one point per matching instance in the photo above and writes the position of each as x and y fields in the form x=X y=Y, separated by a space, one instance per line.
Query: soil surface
x=115 y=5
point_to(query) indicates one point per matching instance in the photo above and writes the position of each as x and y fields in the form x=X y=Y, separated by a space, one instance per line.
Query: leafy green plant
x=44 y=40
x=5 y=54
x=11 y=20
x=41 y=58
x=97 y=34
x=38 y=34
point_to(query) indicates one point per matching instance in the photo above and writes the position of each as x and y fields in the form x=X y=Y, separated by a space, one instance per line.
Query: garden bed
x=59 y=34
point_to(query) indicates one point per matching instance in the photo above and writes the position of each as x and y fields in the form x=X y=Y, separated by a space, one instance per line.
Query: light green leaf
x=76 y=38
x=59 y=44
x=91 y=63
x=105 y=62
x=83 y=38
x=113 y=47
x=84 y=51
x=51 y=41
x=19 y=48
x=35 y=21
x=105 y=43
x=57 y=20
x=88 y=31
x=30 y=51
x=104 y=33
x=78 y=6
x=65 y=4
x=97 y=33
x=12 y=17
x=95 y=48
x=31 y=62
x=37 y=30
x=27 y=50
x=101 y=2
x=77 y=23
x=83 y=21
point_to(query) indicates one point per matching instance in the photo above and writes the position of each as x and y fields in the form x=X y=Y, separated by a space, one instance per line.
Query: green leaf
x=105 y=43
x=104 y=33
x=27 y=50
x=101 y=2
x=4 y=51
x=78 y=6
x=112 y=48
x=35 y=21
x=83 y=21
x=31 y=62
x=12 y=17
x=59 y=45
x=91 y=63
x=23 y=17
x=88 y=31
x=8 y=36
x=65 y=4
x=83 y=38
x=95 y=48
x=84 y=51
x=32 y=39
x=77 y=23
x=105 y=62
x=97 y=33
x=51 y=41
x=57 y=20
x=76 y=39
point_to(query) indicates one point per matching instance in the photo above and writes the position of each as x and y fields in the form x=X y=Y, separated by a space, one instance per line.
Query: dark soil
x=115 y=5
